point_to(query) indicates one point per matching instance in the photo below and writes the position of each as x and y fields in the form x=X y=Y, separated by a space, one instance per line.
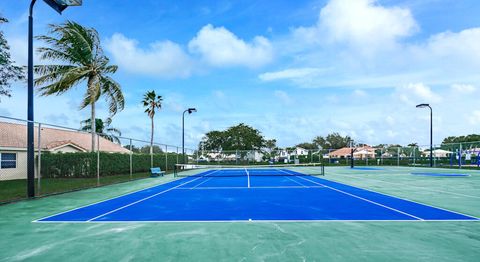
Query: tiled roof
x=15 y=136
x=347 y=151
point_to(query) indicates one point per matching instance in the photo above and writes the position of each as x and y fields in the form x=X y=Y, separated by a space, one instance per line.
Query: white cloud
x=283 y=97
x=390 y=120
x=417 y=93
x=463 y=89
x=365 y=45
x=361 y=23
x=163 y=59
x=358 y=93
x=220 y=47
x=475 y=117
x=293 y=73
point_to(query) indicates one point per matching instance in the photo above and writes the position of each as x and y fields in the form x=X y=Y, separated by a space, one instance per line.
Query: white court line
x=262 y=221
x=364 y=199
x=295 y=181
x=141 y=200
x=248 y=177
x=385 y=194
x=108 y=199
x=252 y=187
x=424 y=188
x=200 y=183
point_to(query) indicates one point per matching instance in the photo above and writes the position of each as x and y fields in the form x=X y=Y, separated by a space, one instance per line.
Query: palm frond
x=113 y=93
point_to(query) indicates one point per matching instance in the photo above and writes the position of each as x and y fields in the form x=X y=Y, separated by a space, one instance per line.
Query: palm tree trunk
x=92 y=126
x=151 y=145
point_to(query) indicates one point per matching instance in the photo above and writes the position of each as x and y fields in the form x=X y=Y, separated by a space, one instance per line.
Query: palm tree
x=81 y=59
x=151 y=102
x=103 y=129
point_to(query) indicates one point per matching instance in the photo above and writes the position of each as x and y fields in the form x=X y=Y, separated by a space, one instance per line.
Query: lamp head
x=60 y=5
x=191 y=110
x=422 y=105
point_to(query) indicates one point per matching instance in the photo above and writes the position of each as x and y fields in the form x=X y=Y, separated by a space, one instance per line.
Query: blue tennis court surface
x=247 y=195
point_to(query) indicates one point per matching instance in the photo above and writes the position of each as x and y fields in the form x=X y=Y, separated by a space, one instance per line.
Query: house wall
x=20 y=172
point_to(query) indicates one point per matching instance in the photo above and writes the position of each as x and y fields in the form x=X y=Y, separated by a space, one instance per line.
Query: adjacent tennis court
x=254 y=194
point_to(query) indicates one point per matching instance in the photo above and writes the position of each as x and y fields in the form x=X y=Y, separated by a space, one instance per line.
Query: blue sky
x=293 y=69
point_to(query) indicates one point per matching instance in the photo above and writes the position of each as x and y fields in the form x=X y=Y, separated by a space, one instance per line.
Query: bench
x=156 y=171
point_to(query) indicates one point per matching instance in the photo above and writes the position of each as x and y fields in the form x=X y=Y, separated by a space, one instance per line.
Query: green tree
x=335 y=140
x=271 y=144
x=320 y=142
x=310 y=146
x=81 y=58
x=213 y=140
x=134 y=148
x=152 y=102
x=461 y=139
x=154 y=149
x=103 y=128
x=243 y=137
x=239 y=137
x=8 y=71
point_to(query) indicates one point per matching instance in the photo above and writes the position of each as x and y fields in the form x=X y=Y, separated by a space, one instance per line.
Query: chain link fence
x=68 y=159
x=456 y=155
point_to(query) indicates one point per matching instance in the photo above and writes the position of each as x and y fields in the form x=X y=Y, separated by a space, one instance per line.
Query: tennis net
x=186 y=170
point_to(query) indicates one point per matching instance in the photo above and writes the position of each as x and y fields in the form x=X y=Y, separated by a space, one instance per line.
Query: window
x=8 y=160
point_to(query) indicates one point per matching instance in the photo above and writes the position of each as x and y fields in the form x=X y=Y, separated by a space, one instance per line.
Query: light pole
x=59 y=6
x=190 y=110
x=431 y=130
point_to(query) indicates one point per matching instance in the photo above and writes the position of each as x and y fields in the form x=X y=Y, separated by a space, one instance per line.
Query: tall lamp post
x=59 y=6
x=431 y=130
x=190 y=110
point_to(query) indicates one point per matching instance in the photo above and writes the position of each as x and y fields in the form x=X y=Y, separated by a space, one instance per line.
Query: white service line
x=248 y=177
x=199 y=183
x=417 y=202
x=143 y=199
x=295 y=181
x=364 y=199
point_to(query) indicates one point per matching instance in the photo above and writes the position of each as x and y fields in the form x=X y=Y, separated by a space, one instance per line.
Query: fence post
x=460 y=154
x=414 y=149
x=177 y=155
x=131 y=160
x=166 y=158
x=98 y=159
x=151 y=155
x=39 y=165
x=398 y=156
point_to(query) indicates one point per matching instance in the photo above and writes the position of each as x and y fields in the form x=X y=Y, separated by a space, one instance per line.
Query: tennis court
x=348 y=214
x=255 y=194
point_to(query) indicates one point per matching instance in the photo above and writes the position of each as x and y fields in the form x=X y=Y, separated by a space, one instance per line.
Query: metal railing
x=65 y=160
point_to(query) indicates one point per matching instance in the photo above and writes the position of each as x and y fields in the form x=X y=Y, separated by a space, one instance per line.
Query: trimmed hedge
x=82 y=165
